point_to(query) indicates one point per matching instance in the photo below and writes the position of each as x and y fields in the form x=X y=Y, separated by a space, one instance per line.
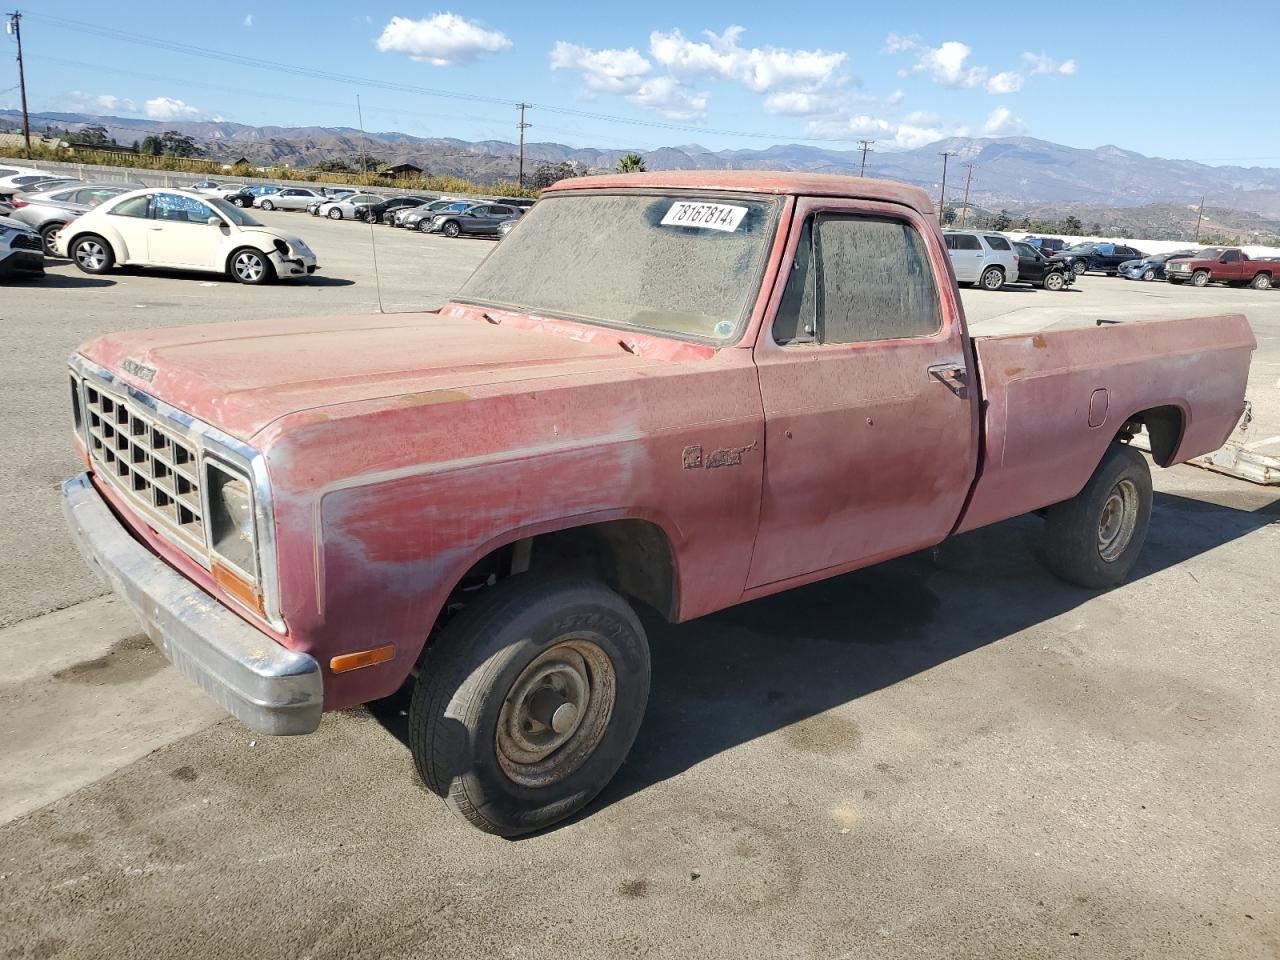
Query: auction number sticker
x=708 y=216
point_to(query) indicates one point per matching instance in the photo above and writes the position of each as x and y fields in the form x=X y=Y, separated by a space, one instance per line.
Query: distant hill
x=1020 y=172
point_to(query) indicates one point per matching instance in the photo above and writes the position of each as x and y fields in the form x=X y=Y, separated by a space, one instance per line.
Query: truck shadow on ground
x=746 y=672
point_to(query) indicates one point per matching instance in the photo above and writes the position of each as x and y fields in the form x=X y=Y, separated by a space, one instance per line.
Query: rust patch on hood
x=1038 y=341
x=430 y=397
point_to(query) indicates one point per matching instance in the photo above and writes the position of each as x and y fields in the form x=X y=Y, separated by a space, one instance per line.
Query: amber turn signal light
x=365 y=658
x=238 y=587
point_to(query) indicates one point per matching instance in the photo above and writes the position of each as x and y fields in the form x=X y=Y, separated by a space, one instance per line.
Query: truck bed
x=1051 y=402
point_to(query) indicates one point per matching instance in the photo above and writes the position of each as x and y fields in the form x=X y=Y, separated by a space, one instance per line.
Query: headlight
x=231 y=524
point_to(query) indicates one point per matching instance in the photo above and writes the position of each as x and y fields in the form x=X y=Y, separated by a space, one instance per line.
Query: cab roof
x=758 y=181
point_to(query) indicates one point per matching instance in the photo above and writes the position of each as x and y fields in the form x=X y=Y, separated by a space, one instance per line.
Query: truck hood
x=242 y=376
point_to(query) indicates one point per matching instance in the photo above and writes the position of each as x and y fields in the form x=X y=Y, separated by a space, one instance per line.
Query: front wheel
x=1054 y=281
x=1200 y=278
x=92 y=254
x=1093 y=539
x=334 y=213
x=424 y=226
x=529 y=701
x=1261 y=282
x=267 y=205
x=251 y=266
x=1148 y=274
x=992 y=278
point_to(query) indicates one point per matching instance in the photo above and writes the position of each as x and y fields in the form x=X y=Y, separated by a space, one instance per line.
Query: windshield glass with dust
x=677 y=264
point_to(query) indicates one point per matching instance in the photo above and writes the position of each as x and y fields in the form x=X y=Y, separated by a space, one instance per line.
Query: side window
x=963 y=241
x=1231 y=256
x=179 y=209
x=996 y=241
x=133 y=207
x=875 y=281
x=797 y=321
x=1106 y=249
x=93 y=197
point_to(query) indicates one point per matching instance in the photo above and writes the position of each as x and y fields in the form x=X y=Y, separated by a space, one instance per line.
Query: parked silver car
x=290 y=198
x=47 y=212
x=344 y=208
x=982 y=257
x=420 y=218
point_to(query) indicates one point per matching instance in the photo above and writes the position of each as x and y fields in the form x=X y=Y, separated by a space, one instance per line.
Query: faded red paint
x=402 y=449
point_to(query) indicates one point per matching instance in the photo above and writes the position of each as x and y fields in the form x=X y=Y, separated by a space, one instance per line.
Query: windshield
x=681 y=264
x=1080 y=248
x=233 y=213
x=1208 y=253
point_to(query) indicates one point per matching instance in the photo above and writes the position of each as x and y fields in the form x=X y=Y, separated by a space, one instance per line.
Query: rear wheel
x=1093 y=539
x=1079 y=267
x=1200 y=278
x=992 y=278
x=92 y=254
x=1054 y=281
x=529 y=701
x=1261 y=282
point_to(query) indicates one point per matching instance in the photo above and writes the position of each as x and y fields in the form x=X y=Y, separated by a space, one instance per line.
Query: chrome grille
x=153 y=466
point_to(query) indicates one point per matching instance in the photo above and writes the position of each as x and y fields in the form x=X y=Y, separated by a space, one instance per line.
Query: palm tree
x=631 y=163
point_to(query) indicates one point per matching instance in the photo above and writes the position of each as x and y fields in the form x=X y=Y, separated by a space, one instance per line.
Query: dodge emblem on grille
x=139 y=370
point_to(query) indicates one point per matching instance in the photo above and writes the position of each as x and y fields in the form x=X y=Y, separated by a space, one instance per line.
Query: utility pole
x=964 y=208
x=942 y=195
x=523 y=127
x=866 y=145
x=1199 y=217
x=14 y=26
x=364 y=151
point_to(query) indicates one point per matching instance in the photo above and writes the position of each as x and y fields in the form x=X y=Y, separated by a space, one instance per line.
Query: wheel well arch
x=1165 y=426
x=634 y=556
x=244 y=246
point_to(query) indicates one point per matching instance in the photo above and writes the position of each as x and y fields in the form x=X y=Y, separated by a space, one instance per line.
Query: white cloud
x=799 y=103
x=921 y=116
x=1008 y=82
x=669 y=97
x=1002 y=123
x=168 y=108
x=898 y=44
x=108 y=103
x=946 y=64
x=603 y=71
x=248 y=19
x=1041 y=65
x=762 y=69
x=895 y=98
x=441 y=40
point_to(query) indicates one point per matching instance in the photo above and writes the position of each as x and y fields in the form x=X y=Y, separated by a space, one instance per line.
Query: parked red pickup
x=686 y=390
x=1229 y=265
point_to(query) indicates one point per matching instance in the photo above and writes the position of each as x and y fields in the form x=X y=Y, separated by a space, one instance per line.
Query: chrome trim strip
x=236 y=453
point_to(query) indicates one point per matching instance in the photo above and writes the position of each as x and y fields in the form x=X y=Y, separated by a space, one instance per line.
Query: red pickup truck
x=1229 y=265
x=682 y=390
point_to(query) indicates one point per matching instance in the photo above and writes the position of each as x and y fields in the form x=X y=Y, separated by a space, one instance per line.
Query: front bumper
x=271 y=689
x=22 y=263
x=287 y=267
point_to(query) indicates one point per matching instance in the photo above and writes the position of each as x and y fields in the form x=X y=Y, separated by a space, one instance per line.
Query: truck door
x=1229 y=267
x=870 y=415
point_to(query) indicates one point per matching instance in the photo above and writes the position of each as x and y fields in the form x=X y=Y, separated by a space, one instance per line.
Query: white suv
x=986 y=259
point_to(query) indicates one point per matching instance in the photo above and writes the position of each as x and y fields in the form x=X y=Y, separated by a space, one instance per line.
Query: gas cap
x=1098 y=404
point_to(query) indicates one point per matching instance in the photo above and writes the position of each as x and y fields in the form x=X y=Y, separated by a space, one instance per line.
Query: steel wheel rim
x=50 y=243
x=249 y=266
x=1117 y=520
x=89 y=253
x=991 y=280
x=556 y=713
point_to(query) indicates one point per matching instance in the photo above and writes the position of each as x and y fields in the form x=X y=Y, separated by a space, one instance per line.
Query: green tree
x=151 y=146
x=1003 y=221
x=1025 y=225
x=93 y=137
x=332 y=166
x=631 y=163
x=1072 y=225
x=548 y=173
x=175 y=144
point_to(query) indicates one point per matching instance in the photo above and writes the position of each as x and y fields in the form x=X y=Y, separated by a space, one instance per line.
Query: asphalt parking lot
x=953 y=754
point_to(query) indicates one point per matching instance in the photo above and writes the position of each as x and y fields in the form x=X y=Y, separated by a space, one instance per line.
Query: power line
x=315 y=74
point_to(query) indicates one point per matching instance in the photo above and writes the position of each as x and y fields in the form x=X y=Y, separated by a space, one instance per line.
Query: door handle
x=953 y=376
x=157 y=229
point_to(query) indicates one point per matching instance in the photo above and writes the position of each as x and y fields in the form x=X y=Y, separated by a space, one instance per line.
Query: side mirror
x=214 y=221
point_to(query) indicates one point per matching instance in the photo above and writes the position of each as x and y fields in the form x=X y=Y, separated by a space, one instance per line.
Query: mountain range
x=1018 y=172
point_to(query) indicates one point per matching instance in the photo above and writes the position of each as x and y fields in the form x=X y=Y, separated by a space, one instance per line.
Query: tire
x=334 y=213
x=992 y=278
x=1093 y=539
x=48 y=233
x=370 y=218
x=477 y=694
x=92 y=254
x=240 y=202
x=451 y=230
x=424 y=226
x=1200 y=278
x=1054 y=281
x=1149 y=274
x=1261 y=282
x=250 y=266
x=267 y=205
x=1078 y=267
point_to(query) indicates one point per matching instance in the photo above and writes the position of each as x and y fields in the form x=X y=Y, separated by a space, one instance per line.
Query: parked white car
x=20 y=177
x=183 y=230
x=344 y=208
x=984 y=258
x=290 y=198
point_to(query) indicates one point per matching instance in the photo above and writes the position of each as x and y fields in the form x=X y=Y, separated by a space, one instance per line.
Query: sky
x=723 y=75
